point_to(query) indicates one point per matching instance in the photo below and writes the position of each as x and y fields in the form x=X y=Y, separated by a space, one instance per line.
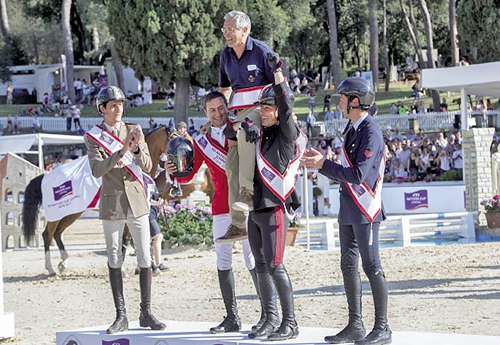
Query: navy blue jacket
x=365 y=150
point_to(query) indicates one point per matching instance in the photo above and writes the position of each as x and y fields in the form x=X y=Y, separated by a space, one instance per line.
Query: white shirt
x=218 y=134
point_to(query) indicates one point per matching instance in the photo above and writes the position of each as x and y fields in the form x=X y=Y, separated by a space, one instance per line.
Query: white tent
x=482 y=79
x=23 y=143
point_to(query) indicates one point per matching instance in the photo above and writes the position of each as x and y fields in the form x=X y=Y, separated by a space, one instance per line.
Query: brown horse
x=157 y=141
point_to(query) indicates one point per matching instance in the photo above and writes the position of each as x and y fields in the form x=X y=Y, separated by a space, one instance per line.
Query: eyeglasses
x=230 y=30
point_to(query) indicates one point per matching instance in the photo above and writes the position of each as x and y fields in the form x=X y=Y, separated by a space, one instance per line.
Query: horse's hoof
x=62 y=267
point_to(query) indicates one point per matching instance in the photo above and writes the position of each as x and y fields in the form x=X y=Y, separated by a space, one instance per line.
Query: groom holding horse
x=118 y=153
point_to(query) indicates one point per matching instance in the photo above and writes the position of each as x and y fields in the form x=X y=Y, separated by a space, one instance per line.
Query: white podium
x=6 y=319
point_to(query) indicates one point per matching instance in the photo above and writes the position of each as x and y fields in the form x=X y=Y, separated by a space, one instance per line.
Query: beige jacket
x=119 y=188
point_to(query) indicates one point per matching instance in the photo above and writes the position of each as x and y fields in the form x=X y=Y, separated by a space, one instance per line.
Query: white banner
x=69 y=189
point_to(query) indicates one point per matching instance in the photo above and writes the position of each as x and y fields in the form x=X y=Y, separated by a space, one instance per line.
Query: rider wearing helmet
x=360 y=88
x=361 y=210
x=121 y=159
x=109 y=93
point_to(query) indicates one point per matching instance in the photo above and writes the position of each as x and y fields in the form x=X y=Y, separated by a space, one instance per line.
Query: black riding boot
x=288 y=328
x=263 y=316
x=116 y=281
x=268 y=301
x=146 y=319
x=381 y=333
x=354 y=329
x=231 y=322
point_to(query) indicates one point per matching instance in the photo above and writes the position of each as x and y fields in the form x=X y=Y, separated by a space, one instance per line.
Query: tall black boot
x=288 y=328
x=268 y=301
x=231 y=322
x=354 y=329
x=381 y=333
x=146 y=319
x=116 y=281
x=263 y=316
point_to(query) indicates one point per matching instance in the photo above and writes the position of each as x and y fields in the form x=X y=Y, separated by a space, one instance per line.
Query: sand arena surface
x=446 y=289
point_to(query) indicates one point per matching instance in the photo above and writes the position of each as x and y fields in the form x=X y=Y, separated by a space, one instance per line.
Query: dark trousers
x=356 y=240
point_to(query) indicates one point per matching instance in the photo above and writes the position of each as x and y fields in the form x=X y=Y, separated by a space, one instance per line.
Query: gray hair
x=241 y=19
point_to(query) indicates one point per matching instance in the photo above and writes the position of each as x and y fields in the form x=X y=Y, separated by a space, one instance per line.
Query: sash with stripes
x=211 y=151
x=111 y=144
x=245 y=98
x=368 y=201
x=281 y=185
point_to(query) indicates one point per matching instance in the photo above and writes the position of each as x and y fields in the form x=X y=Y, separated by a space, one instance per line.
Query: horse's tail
x=31 y=207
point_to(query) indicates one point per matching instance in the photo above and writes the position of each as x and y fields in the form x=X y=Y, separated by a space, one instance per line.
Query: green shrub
x=452 y=175
x=186 y=225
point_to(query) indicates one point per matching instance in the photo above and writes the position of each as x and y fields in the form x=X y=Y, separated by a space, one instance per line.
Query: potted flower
x=492 y=209
x=293 y=228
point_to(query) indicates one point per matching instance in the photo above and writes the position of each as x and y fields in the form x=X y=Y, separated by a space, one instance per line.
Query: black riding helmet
x=268 y=97
x=356 y=87
x=109 y=93
x=180 y=151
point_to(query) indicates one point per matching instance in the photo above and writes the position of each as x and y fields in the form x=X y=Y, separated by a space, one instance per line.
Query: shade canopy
x=481 y=79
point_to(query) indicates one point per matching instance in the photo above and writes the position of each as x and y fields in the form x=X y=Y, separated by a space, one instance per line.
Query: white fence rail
x=402 y=230
x=427 y=121
x=58 y=124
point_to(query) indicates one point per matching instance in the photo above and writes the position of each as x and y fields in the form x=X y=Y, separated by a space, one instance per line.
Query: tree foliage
x=477 y=22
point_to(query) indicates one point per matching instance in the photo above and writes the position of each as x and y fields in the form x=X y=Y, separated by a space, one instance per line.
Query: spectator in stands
x=441 y=141
x=457 y=157
x=388 y=133
x=411 y=136
x=433 y=166
x=75 y=114
x=338 y=141
x=403 y=154
x=444 y=162
x=321 y=143
x=421 y=108
x=338 y=113
x=413 y=163
x=397 y=135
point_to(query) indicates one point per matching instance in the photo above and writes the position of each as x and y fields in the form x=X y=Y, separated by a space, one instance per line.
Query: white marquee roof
x=481 y=79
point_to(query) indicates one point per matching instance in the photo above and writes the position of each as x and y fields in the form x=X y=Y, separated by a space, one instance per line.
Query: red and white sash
x=245 y=98
x=211 y=151
x=281 y=185
x=111 y=144
x=368 y=201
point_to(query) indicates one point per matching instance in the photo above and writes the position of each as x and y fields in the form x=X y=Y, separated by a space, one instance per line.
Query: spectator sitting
x=138 y=101
x=170 y=105
x=80 y=130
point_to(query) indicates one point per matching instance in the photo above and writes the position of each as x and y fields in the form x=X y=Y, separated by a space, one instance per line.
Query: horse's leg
x=64 y=223
x=47 y=236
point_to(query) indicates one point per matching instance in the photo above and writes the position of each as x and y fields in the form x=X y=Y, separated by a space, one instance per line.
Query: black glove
x=273 y=59
x=251 y=130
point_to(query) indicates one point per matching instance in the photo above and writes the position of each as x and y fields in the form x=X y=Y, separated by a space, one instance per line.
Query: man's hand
x=170 y=167
x=312 y=159
x=205 y=127
x=251 y=130
x=132 y=140
x=273 y=59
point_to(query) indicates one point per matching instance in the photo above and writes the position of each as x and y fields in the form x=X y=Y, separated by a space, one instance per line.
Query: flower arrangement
x=295 y=221
x=492 y=205
x=186 y=224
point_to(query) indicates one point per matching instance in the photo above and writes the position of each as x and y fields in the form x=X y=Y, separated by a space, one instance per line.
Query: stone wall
x=477 y=169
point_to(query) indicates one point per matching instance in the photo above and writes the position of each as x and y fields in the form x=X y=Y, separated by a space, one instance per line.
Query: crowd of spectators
x=410 y=156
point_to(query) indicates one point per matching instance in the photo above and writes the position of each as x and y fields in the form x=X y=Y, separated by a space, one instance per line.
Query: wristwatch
x=277 y=70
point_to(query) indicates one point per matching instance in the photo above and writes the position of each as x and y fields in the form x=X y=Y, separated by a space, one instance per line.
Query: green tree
x=168 y=40
x=478 y=29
